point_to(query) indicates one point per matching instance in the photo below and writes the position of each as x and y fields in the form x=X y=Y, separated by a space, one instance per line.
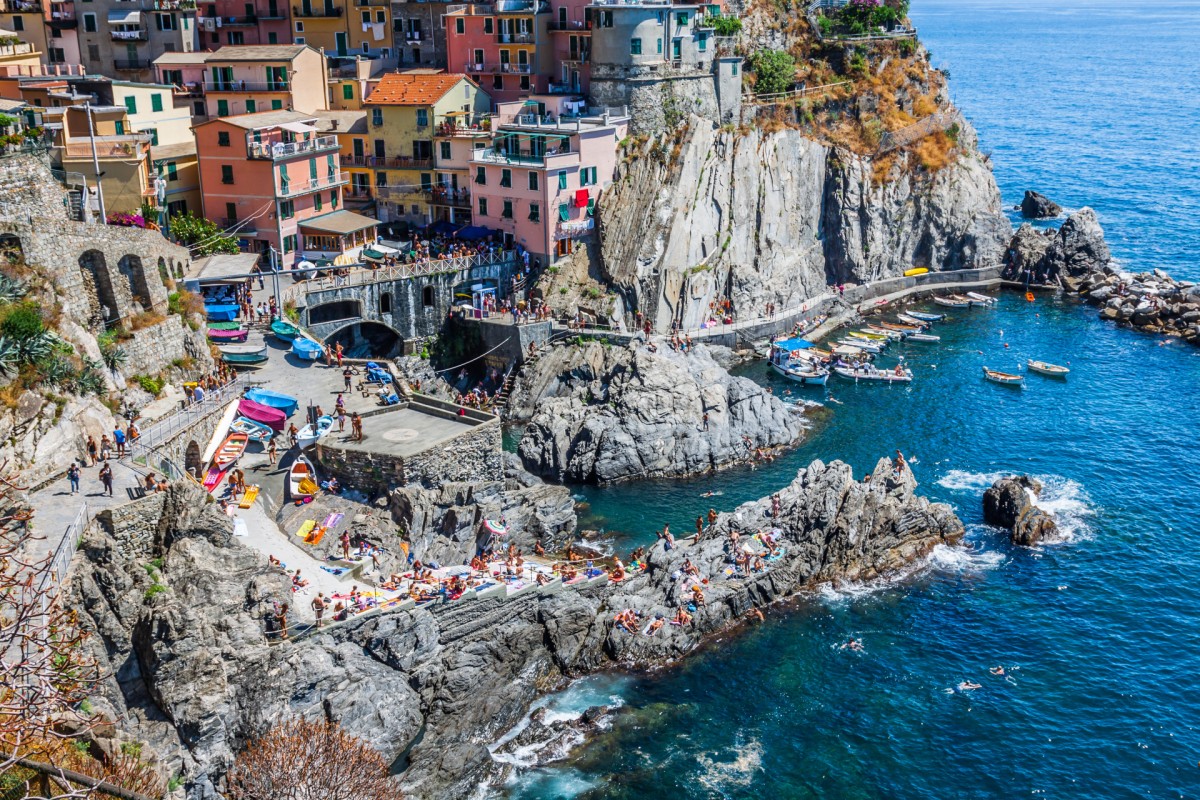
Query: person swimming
x=965 y=686
x=997 y=671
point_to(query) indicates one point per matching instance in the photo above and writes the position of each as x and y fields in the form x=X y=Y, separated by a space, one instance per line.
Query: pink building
x=276 y=183
x=504 y=46
x=540 y=180
x=224 y=22
x=571 y=36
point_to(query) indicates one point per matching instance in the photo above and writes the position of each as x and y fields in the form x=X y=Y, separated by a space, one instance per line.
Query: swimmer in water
x=966 y=686
x=853 y=644
x=754 y=615
x=997 y=671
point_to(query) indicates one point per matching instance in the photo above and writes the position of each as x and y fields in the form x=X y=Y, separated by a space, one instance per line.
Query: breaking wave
x=720 y=776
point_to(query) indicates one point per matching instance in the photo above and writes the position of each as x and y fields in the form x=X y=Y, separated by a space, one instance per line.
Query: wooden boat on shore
x=1005 y=378
x=872 y=335
x=925 y=316
x=1046 y=368
x=302 y=478
x=284 y=402
x=950 y=302
x=307 y=349
x=284 y=330
x=982 y=298
x=230 y=450
x=244 y=355
x=271 y=417
x=225 y=337
x=308 y=435
x=870 y=373
x=256 y=431
x=221 y=313
x=923 y=337
x=894 y=336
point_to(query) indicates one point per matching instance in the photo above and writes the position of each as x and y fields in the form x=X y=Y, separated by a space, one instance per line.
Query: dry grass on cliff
x=935 y=151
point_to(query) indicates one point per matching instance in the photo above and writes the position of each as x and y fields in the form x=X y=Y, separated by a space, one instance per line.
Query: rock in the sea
x=1079 y=247
x=1038 y=206
x=1009 y=503
x=608 y=414
x=1026 y=253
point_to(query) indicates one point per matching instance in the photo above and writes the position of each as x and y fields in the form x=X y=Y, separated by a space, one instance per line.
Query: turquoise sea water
x=1093 y=104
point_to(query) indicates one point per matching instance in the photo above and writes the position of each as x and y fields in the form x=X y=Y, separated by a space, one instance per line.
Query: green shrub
x=154 y=591
x=22 y=322
x=149 y=384
x=775 y=71
x=727 y=26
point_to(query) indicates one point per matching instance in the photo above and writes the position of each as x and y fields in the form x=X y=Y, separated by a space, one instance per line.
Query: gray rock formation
x=1026 y=253
x=1009 y=503
x=193 y=673
x=777 y=217
x=1038 y=206
x=1079 y=248
x=608 y=414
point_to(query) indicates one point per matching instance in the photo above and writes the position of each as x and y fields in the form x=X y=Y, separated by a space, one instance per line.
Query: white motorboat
x=1046 y=368
x=870 y=373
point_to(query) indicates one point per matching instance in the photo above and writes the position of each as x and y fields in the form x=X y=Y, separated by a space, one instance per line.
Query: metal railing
x=417 y=269
x=300 y=11
x=274 y=151
x=498 y=69
x=126 y=146
x=292 y=188
x=519 y=37
x=129 y=36
x=893 y=140
x=246 y=86
x=60 y=562
x=166 y=427
x=131 y=64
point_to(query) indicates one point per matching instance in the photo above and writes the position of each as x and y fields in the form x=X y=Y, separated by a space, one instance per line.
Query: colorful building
x=26 y=21
x=151 y=109
x=15 y=51
x=272 y=179
x=571 y=35
x=62 y=33
x=419 y=34
x=540 y=180
x=252 y=78
x=458 y=136
x=223 y=22
x=350 y=128
x=177 y=165
x=119 y=37
x=504 y=46
x=402 y=112
x=90 y=135
x=345 y=28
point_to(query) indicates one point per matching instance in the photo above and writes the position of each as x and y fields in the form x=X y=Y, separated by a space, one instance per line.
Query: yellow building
x=403 y=111
x=151 y=109
x=345 y=28
x=179 y=168
x=17 y=51
x=350 y=128
x=25 y=20
x=91 y=135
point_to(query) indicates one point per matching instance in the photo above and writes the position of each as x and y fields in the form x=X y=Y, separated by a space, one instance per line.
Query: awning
x=297 y=127
x=581 y=198
x=371 y=254
x=793 y=344
x=444 y=227
x=123 y=17
x=339 y=222
x=224 y=267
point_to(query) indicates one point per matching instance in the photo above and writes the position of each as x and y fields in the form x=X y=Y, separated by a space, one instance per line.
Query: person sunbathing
x=759 y=564
x=569 y=573
x=654 y=626
x=537 y=548
x=274 y=563
x=542 y=580
x=617 y=573
x=690 y=569
x=682 y=617
x=697 y=596
x=297 y=581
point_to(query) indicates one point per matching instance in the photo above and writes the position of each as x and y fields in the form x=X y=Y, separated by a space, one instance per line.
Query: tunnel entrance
x=367 y=340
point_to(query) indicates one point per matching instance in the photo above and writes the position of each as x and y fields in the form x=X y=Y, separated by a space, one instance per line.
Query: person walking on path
x=346 y=373
x=119 y=438
x=341 y=420
x=106 y=478
x=73 y=477
x=93 y=450
x=338 y=353
x=105 y=447
x=271 y=450
x=356 y=427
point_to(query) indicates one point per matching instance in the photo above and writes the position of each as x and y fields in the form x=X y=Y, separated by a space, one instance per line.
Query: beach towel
x=333 y=570
x=306 y=529
x=333 y=519
x=316 y=536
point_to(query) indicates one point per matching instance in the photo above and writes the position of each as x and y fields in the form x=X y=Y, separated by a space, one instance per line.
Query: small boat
x=908 y=273
x=255 y=430
x=925 y=316
x=302 y=478
x=1044 y=368
x=851 y=351
x=864 y=344
x=872 y=374
x=221 y=313
x=307 y=349
x=952 y=303
x=1006 y=378
x=284 y=330
x=809 y=374
x=901 y=326
x=247 y=354
x=877 y=336
x=271 y=417
x=284 y=402
x=885 y=332
x=923 y=337
x=224 y=326
x=982 y=298
x=230 y=450
x=915 y=321
x=308 y=436
x=221 y=337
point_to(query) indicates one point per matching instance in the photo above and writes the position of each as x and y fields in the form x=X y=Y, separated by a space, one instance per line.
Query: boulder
x=1026 y=252
x=1009 y=503
x=1038 y=206
x=1079 y=247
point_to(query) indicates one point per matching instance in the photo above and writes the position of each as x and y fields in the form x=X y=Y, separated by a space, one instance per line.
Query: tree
x=774 y=70
x=303 y=760
x=201 y=235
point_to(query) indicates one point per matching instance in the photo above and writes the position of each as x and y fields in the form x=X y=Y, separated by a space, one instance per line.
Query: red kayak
x=227 y=336
x=271 y=417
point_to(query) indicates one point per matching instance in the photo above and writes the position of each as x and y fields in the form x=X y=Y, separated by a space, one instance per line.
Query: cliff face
x=761 y=217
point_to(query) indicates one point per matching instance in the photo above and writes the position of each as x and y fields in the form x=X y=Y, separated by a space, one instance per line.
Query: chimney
x=333 y=124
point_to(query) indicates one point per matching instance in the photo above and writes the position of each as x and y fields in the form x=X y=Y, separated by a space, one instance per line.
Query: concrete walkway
x=55 y=508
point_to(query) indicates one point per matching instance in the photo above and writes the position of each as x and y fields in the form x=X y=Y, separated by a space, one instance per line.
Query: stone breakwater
x=606 y=414
x=192 y=671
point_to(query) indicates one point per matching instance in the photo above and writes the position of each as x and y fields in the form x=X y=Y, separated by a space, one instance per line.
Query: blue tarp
x=443 y=228
x=794 y=344
x=474 y=232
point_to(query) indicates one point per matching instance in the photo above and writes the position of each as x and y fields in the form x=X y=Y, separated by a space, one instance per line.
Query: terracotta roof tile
x=408 y=89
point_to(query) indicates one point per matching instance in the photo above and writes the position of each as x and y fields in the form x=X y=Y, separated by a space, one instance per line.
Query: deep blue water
x=1094 y=105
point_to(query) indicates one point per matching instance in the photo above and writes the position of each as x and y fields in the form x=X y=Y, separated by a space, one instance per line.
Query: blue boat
x=221 y=313
x=926 y=317
x=307 y=348
x=285 y=403
x=257 y=431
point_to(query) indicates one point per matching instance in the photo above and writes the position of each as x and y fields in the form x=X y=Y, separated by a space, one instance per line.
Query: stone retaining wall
x=134 y=525
x=153 y=349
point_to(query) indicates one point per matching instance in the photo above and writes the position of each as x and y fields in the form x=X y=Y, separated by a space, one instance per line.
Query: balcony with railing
x=20 y=7
x=194 y=89
x=384 y=3
x=16 y=49
x=324 y=11
x=131 y=64
x=235 y=22
x=412 y=37
x=62 y=12
x=279 y=150
x=570 y=26
x=168 y=5
x=516 y=155
x=357 y=194
x=246 y=86
x=119 y=147
x=564 y=88
x=518 y=37
x=293 y=188
x=449 y=196
x=401 y=194
x=465 y=125
x=498 y=69
x=129 y=35
x=399 y=162
x=574 y=229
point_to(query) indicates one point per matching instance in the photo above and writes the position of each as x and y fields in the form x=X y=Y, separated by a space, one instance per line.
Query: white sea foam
x=720 y=776
x=1068 y=503
x=965 y=558
x=961 y=480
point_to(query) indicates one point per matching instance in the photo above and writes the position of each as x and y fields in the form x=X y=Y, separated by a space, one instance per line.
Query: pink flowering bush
x=127 y=220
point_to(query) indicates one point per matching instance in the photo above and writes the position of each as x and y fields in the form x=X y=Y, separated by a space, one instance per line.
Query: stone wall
x=153 y=349
x=509 y=343
x=134 y=526
x=181 y=450
x=662 y=98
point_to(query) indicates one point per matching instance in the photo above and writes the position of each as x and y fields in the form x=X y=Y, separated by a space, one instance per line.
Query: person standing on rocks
x=346 y=545
x=318 y=607
x=106 y=478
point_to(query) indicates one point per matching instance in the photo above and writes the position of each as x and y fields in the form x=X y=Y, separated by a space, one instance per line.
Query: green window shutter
x=591 y=206
x=131 y=104
x=312 y=169
x=172 y=172
x=156 y=103
x=330 y=167
x=348 y=91
x=276 y=105
x=251 y=106
x=562 y=180
x=120 y=127
x=222 y=108
x=317 y=203
x=154 y=137
x=564 y=212
x=333 y=198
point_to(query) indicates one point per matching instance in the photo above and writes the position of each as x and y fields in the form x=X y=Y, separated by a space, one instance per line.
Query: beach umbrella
x=495 y=527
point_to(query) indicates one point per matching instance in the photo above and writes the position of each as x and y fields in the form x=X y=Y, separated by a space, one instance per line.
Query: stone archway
x=164 y=274
x=130 y=266
x=97 y=284
x=11 y=249
x=191 y=460
x=367 y=340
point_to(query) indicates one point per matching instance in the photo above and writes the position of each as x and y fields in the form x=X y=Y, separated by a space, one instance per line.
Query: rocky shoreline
x=194 y=674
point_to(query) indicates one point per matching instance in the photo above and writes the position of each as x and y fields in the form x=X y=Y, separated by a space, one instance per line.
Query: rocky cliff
x=603 y=413
x=192 y=672
x=756 y=217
